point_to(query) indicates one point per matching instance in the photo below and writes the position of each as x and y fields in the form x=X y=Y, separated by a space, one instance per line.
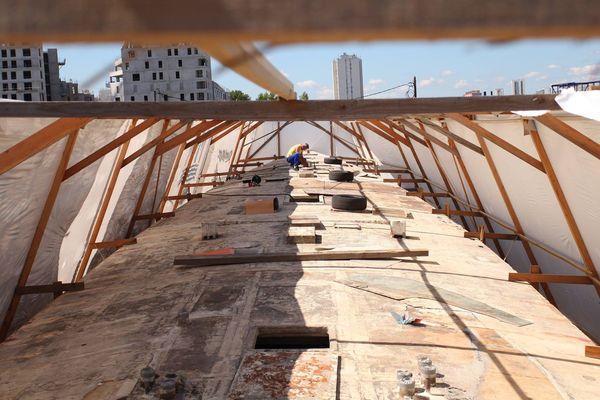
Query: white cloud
x=461 y=84
x=500 y=78
x=591 y=71
x=532 y=74
x=553 y=66
x=307 y=84
x=446 y=72
x=427 y=82
x=542 y=77
x=376 y=82
x=324 y=93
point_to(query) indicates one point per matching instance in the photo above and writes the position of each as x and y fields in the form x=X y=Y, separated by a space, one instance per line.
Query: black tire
x=341 y=176
x=349 y=202
x=332 y=160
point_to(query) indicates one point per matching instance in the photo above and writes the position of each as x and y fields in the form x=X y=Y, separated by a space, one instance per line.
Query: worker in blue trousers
x=295 y=156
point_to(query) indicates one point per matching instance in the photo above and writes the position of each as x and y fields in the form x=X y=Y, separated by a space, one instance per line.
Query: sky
x=442 y=68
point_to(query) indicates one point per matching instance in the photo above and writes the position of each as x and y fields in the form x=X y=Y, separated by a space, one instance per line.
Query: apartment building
x=177 y=73
x=22 y=72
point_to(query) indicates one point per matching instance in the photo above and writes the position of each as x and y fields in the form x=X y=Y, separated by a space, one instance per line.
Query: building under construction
x=439 y=248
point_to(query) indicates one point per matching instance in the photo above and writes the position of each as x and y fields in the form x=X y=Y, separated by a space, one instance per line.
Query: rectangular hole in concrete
x=292 y=339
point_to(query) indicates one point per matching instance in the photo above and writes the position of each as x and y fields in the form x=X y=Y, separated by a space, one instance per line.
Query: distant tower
x=518 y=87
x=347 y=77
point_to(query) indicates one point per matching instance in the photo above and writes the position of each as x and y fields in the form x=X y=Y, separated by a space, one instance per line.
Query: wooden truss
x=183 y=133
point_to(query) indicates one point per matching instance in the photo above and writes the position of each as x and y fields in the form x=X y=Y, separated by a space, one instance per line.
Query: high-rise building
x=347 y=77
x=177 y=73
x=22 y=72
x=518 y=87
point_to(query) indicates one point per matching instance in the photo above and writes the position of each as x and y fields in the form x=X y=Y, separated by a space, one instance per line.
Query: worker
x=295 y=156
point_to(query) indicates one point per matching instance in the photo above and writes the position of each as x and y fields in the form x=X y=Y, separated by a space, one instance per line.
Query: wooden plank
x=114 y=243
x=155 y=216
x=57 y=287
x=461 y=119
x=423 y=132
x=457 y=212
x=405 y=180
x=205 y=261
x=547 y=278
x=390 y=171
x=301 y=234
x=212 y=174
x=335 y=137
x=207 y=21
x=39 y=233
x=185 y=197
x=562 y=201
x=571 y=134
x=592 y=351
x=110 y=186
x=104 y=150
x=37 y=142
x=220 y=135
x=489 y=235
x=313 y=110
x=171 y=179
x=200 y=184
x=427 y=194
x=388 y=130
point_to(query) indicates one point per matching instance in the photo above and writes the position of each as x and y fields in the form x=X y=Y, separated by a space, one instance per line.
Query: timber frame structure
x=407 y=126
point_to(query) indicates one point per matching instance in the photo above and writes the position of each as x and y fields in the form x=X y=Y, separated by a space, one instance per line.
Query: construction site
x=426 y=248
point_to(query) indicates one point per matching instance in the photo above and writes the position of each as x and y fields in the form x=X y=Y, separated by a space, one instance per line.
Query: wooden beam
x=155 y=216
x=202 y=127
x=547 y=278
x=171 y=179
x=154 y=142
x=391 y=171
x=389 y=129
x=409 y=180
x=114 y=243
x=200 y=184
x=93 y=236
x=427 y=194
x=185 y=172
x=39 y=233
x=208 y=260
x=185 y=197
x=394 y=138
x=444 y=131
x=104 y=150
x=275 y=134
x=249 y=62
x=427 y=135
x=220 y=136
x=258 y=21
x=562 y=201
x=313 y=110
x=509 y=207
x=458 y=161
x=571 y=134
x=40 y=140
x=488 y=235
x=341 y=141
x=441 y=211
x=56 y=287
x=592 y=351
x=461 y=119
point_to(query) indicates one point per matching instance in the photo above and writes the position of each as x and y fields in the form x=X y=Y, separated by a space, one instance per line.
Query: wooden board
x=206 y=261
x=301 y=234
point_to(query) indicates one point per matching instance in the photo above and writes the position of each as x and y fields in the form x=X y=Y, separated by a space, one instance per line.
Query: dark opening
x=306 y=199
x=292 y=340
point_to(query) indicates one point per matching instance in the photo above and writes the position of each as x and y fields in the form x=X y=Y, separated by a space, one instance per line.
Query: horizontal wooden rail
x=184 y=197
x=547 y=278
x=457 y=212
x=114 y=243
x=212 y=174
x=155 y=216
x=427 y=194
x=592 y=351
x=56 y=287
x=489 y=235
x=200 y=184
x=402 y=180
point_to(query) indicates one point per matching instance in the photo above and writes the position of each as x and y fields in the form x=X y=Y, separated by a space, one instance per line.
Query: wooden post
x=278 y=139
x=185 y=172
x=93 y=237
x=510 y=208
x=458 y=159
x=562 y=201
x=331 y=147
x=39 y=232
x=237 y=144
x=364 y=140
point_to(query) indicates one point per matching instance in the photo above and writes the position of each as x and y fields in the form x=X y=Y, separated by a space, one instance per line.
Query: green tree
x=238 y=95
x=304 y=96
x=268 y=96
